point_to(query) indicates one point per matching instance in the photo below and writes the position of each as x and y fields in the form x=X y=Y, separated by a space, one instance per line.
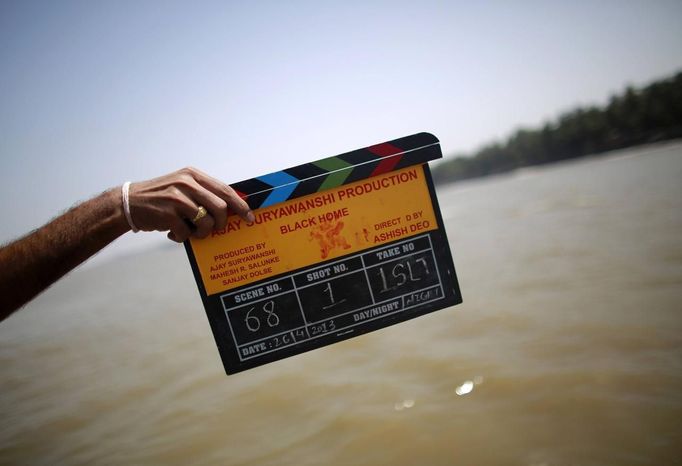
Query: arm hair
x=32 y=263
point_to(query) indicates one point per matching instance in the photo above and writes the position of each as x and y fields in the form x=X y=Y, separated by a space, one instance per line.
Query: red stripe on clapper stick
x=385 y=151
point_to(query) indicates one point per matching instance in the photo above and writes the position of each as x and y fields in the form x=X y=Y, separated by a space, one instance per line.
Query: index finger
x=225 y=192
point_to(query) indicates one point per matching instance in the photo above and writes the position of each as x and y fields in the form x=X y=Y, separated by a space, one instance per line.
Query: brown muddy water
x=566 y=351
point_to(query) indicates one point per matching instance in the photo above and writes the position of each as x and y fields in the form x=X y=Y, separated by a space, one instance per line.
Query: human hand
x=170 y=202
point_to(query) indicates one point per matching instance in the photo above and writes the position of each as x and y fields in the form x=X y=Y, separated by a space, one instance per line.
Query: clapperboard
x=339 y=247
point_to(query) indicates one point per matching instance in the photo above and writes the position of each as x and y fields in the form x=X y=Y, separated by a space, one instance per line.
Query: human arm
x=34 y=262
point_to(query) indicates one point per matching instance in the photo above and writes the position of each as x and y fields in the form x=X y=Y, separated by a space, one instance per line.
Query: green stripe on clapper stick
x=332 y=164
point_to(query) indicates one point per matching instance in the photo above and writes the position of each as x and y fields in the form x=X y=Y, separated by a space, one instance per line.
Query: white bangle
x=126 y=206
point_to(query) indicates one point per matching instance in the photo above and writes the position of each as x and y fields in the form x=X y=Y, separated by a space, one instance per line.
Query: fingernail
x=250 y=217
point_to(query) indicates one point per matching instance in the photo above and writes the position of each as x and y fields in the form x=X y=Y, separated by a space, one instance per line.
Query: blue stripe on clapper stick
x=284 y=185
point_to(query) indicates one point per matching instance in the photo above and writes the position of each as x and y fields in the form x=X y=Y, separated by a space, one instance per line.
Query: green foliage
x=653 y=113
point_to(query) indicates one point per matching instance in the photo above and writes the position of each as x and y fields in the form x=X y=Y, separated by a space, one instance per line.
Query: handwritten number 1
x=328 y=289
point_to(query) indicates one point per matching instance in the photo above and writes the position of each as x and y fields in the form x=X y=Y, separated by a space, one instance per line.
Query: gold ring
x=201 y=213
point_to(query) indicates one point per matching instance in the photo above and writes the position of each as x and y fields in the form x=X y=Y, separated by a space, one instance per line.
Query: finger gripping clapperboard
x=339 y=247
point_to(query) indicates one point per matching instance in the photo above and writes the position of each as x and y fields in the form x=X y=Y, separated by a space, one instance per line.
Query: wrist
x=115 y=214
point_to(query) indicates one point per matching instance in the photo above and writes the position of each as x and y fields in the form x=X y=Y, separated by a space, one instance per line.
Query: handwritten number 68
x=253 y=323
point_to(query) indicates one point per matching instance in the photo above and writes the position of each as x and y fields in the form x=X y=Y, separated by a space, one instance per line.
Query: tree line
x=651 y=113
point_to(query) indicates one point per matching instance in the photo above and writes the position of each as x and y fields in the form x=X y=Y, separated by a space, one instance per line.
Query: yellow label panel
x=316 y=228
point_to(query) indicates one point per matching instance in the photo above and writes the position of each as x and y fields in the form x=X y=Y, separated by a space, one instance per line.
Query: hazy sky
x=96 y=93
